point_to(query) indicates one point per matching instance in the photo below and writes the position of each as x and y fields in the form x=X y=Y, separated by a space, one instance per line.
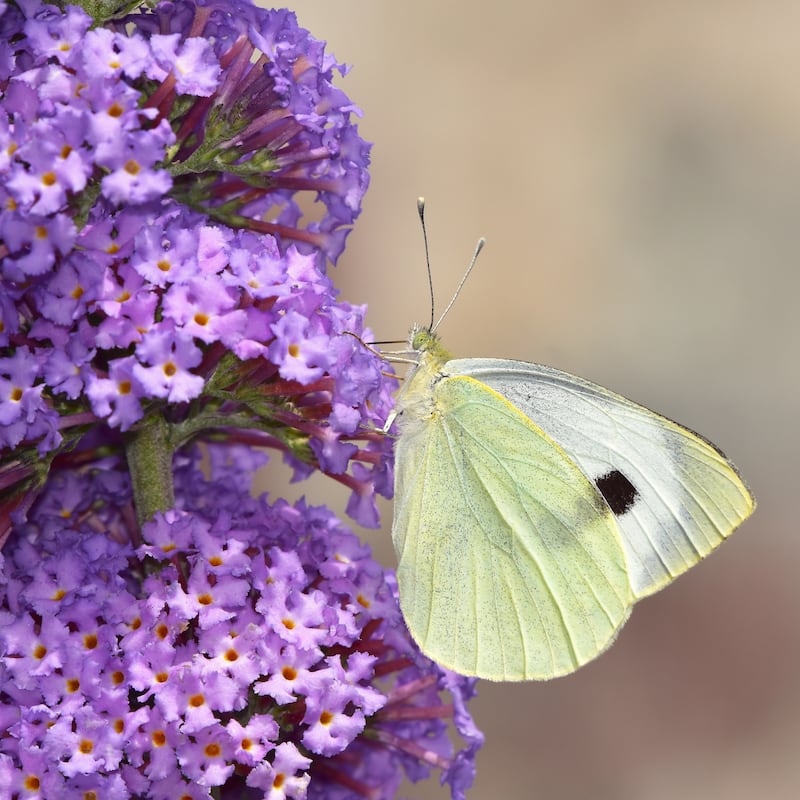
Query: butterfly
x=533 y=508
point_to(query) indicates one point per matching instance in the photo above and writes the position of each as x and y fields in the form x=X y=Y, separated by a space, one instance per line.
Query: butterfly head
x=427 y=345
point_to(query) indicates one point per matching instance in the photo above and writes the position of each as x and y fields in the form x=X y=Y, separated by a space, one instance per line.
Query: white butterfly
x=534 y=508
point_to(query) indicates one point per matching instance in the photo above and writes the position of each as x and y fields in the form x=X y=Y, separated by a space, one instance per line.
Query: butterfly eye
x=419 y=338
x=618 y=491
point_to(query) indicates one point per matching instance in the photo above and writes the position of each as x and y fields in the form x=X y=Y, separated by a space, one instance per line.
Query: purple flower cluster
x=222 y=105
x=147 y=303
x=244 y=643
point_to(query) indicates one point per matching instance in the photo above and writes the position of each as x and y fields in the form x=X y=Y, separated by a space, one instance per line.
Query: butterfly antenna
x=421 y=212
x=478 y=248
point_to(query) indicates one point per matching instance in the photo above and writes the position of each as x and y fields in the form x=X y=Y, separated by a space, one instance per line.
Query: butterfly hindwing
x=510 y=563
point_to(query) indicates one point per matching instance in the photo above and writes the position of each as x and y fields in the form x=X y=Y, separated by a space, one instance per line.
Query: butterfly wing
x=510 y=563
x=675 y=495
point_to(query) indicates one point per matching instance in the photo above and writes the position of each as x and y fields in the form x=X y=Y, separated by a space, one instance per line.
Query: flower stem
x=149 y=452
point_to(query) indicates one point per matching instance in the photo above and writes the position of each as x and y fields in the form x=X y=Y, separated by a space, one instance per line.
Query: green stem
x=149 y=453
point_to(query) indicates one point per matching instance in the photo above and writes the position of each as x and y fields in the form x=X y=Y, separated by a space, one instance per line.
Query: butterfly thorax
x=415 y=400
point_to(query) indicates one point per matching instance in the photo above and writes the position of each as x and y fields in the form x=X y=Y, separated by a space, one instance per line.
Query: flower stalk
x=149 y=451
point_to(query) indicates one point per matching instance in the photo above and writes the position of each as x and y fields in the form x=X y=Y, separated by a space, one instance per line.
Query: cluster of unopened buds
x=165 y=314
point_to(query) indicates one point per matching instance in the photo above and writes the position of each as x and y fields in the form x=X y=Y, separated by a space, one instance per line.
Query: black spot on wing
x=618 y=491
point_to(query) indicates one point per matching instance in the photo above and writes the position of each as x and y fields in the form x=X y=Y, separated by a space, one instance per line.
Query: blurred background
x=635 y=168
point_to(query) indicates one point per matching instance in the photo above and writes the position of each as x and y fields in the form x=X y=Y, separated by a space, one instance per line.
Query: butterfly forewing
x=675 y=495
x=510 y=562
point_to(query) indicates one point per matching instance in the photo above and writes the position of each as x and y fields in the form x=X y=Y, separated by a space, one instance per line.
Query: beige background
x=635 y=167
